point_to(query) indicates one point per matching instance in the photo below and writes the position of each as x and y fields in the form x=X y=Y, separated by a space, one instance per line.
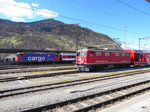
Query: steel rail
x=75 y=100
x=36 y=76
x=24 y=90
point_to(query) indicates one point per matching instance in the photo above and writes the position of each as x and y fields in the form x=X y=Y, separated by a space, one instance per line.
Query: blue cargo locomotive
x=37 y=57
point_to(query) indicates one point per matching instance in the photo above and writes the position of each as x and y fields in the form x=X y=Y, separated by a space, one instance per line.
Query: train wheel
x=92 y=69
x=82 y=69
x=100 y=68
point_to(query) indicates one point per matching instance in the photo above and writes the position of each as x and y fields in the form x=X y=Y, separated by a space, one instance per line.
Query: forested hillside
x=50 y=35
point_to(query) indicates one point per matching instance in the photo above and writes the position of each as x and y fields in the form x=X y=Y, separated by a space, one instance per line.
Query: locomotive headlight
x=81 y=60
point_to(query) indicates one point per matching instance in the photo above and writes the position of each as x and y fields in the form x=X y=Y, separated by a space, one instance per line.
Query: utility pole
x=125 y=30
x=77 y=40
x=117 y=42
x=145 y=38
x=139 y=43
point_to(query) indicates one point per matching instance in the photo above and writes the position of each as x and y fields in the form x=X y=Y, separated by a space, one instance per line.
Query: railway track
x=23 y=69
x=10 y=66
x=69 y=70
x=26 y=77
x=95 y=101
x=86 y=80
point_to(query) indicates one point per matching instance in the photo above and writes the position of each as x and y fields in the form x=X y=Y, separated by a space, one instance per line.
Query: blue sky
x=115 y=18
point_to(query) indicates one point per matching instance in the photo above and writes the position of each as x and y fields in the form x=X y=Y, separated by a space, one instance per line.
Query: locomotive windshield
x=82 y=54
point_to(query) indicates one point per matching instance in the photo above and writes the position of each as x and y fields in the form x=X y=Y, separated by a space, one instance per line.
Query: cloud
x=35 y=5
x=12 y=9
x=18 y=19
x=20 y=11
x=136 y=47
x=46 y=13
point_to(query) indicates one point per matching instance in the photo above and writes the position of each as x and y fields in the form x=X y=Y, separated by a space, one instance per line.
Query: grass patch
x=14 y=40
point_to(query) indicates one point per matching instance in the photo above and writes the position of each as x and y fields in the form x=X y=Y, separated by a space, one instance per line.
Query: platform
x=137 y=104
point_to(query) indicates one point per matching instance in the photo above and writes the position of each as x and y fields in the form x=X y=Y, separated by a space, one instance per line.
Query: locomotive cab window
x=82 y=54
x=19 y=55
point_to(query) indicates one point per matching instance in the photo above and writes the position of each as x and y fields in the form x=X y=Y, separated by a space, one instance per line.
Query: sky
x=124 y=20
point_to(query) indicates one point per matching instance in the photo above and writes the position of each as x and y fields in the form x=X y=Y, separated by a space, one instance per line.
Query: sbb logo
x=36 y=58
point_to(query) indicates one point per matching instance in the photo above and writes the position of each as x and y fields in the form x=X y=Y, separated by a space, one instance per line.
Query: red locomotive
x=94 y=59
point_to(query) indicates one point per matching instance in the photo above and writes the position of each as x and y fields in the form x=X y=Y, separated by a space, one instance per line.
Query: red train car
x=139 y=57
x=148 y=58
x=93 y=59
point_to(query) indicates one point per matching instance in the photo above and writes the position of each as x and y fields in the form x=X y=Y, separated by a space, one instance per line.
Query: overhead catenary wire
x=76 y=19
x=130 y=6
x=104 y=26
x=107 y=13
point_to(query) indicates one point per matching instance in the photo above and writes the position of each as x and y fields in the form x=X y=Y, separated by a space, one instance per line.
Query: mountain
x=50 y=34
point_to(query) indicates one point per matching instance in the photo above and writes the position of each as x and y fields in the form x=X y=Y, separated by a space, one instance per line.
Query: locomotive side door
x=148 y=59
x=92 y=56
